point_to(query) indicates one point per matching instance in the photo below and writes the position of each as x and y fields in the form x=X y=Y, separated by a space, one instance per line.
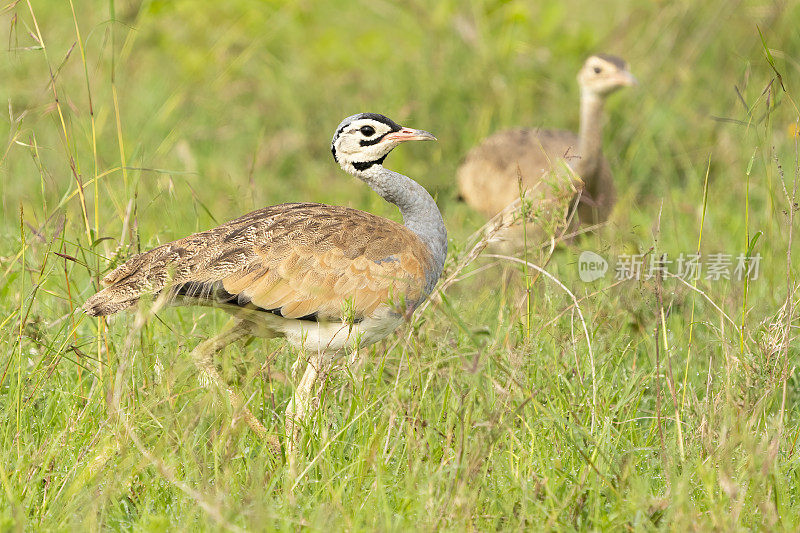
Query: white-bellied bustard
x=488 y=179
x=324 y=277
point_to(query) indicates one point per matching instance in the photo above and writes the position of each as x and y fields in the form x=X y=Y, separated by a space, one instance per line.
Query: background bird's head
x=603 y=74
x=364 y=140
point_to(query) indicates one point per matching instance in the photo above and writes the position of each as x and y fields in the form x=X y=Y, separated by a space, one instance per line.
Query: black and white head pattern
x=359 y=141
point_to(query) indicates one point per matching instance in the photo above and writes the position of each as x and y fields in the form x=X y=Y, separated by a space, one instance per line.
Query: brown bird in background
x=488 y=180
x=327 y=278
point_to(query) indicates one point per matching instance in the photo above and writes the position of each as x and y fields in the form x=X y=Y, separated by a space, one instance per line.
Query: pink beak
x=409 y=134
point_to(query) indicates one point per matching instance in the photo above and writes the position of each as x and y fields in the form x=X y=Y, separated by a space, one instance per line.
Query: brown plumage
x=488 y=179
x=327 y=278
x=294 y=260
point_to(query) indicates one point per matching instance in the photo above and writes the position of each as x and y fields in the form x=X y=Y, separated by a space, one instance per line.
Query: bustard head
x=364 y=140
x=603 y=74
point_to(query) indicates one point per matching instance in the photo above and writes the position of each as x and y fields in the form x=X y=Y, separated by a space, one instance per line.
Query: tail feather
x=109 y=301
x=141 y=274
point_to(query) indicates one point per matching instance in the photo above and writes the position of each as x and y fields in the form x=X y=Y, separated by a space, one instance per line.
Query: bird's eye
x=597 y=70
x=369 y=131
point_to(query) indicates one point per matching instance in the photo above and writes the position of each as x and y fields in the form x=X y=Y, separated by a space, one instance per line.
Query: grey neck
x=590 y=136
x=420 y=212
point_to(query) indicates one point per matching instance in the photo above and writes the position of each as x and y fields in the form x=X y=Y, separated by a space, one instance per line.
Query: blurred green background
x=265 y=84
x=177 y=116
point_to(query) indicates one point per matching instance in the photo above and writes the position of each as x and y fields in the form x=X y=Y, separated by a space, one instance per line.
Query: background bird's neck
x=420 y=212
x=590 y=136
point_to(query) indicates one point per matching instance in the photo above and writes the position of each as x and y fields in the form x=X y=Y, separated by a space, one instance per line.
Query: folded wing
x=299 y=261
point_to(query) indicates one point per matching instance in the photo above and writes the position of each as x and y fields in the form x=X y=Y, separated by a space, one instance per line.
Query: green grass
x=176 y=116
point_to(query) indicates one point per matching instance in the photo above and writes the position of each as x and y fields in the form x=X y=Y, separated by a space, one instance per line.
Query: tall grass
x=131 y=124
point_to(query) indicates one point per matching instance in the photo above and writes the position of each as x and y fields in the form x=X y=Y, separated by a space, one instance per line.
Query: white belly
x=329 y=337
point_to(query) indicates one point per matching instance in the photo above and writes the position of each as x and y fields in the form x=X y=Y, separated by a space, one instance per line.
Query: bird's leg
x=203 y=356
x=301 y=405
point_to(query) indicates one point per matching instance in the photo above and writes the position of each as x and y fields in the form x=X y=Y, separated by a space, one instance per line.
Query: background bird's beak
x=409 y=134
x=627 y=79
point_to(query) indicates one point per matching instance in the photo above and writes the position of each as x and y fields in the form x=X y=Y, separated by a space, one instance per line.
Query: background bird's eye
x=597 y=70
x=368 y=130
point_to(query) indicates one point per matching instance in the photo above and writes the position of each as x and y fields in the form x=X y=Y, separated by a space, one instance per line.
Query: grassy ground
x=133 y=123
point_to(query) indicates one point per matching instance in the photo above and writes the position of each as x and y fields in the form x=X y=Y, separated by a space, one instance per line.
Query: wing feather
x=298 y=259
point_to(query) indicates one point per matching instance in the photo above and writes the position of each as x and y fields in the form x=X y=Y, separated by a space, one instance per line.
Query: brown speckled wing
x=296 y=260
